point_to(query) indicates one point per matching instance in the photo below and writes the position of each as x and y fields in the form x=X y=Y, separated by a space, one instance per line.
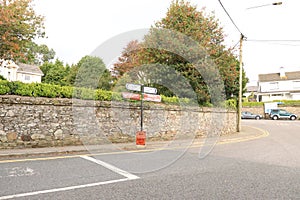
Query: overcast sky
x=75 y=28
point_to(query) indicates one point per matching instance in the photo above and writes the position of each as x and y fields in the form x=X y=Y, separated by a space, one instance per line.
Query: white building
x=279 y=86
x=21 y=72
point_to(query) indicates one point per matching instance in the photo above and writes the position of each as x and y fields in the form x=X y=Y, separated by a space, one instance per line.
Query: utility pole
x=239 y=110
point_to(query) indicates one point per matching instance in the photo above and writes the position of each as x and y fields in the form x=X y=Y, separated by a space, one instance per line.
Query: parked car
x=281 y=114
x=249 y=115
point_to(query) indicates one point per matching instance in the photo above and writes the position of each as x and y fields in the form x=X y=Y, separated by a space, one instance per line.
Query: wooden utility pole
x=239 y=110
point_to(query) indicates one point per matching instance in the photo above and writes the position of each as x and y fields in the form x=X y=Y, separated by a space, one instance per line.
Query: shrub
x=253 y=104
x=231 y=104
x=4 y=87
x=66 y=92
x=45 y=90
x=103 y=95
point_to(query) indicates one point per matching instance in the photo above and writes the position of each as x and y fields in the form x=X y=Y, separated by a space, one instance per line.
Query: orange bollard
x=140 y=138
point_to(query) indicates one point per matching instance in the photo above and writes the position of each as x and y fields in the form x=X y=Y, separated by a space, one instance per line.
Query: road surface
x=264 y=168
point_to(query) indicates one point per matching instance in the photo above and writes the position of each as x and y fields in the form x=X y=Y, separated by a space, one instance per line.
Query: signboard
x=150 y=90
x=152 y=97
x=133 y=87
x=146 y=97
x=132 y=96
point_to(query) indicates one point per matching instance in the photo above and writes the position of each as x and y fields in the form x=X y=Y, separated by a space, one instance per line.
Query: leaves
x=190 y=42
x=19 y=26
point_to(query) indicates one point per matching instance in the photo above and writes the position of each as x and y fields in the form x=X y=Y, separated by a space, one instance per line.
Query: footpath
x=248 y=133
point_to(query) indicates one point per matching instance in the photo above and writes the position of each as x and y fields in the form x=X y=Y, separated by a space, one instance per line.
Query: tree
x=190 y=42
x=54 y=73
x=128 y=60
x=92 y=73
x=38 y=54
x=19 y=26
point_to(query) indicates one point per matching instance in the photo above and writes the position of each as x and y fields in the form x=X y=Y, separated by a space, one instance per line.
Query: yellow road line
x=194 y=145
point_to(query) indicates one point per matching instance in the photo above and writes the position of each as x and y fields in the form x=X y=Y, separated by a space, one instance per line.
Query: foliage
x=289 y=103
x=4 y=87
x=128 y=60
x=38 y=54
x=2 y=77
x=92 y=73
x=19 y=26
x=54 y=73
x=194 y=35
x=252 y=104
x=231 y=104
x=52 y=91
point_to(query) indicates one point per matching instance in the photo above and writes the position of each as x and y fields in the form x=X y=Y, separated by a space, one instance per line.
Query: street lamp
x=270 y=4
x=239 y=126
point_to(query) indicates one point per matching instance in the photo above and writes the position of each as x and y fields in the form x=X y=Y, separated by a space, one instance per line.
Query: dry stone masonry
x=43 y=122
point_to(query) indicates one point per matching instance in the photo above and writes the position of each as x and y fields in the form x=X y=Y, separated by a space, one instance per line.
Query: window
x=27 y=78
x=274 y=86
x=296 y=84
x=277 y=95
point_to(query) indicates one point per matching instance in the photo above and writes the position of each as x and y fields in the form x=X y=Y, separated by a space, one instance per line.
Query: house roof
x=29 y=69
x=252 y=88
x=276 y=76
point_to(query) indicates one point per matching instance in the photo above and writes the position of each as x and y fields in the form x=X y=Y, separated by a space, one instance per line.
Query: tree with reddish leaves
x=19 y=26
x=128 y=60
x=218 y=65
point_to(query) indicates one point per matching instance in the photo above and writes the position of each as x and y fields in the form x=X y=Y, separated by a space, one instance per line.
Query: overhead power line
x=230 y=18
x=255 y=40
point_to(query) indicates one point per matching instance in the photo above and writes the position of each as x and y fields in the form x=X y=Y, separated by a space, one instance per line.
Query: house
x=20 y=72
x=279 y=86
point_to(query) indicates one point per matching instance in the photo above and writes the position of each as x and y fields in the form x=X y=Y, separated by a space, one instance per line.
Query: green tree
x=19 y=26
x=54 y=73
x=191 y=26
x=92 y=73
x=38 y=54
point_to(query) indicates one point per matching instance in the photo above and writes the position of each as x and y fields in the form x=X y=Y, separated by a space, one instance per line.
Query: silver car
x=249 y=115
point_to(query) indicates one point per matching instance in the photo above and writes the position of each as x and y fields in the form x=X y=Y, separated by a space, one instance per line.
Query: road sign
x=150 y=90
x=152 y=97
x=133 y=87
x=132 y=96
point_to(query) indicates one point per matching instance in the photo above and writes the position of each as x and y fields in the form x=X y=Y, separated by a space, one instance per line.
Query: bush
x=45 y=90
x=66 y=92
x=169 y=100
x=290 y=102
x=52 y=91
x=253 y=104
x=231 y=104
x=4 y=87
x=23 y=89
x=103 y=95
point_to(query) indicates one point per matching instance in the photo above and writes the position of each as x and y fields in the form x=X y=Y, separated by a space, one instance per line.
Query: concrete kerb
x=247 y=133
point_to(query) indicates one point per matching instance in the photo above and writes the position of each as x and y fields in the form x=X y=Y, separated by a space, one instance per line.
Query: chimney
x=282 y=73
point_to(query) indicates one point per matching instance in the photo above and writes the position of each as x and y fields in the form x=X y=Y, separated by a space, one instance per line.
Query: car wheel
x=292 y=117
x=275 y=117
x=257 y=117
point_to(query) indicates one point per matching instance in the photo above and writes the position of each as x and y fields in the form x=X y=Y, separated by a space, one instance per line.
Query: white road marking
x=111 y=167
x=62 y=189
x=128 y=176
x=20 y=171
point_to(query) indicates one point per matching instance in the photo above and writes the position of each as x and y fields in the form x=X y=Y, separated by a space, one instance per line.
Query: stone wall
x=43 y=122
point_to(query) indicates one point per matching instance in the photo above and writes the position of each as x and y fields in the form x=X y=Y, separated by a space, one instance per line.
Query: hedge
x=53 y=91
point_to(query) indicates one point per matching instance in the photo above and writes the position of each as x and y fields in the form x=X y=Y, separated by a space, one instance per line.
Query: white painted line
x=111 y=167
x=62 y=189
x=99 y=162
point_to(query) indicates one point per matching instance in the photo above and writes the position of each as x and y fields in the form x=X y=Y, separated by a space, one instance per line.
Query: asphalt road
x=265 y=168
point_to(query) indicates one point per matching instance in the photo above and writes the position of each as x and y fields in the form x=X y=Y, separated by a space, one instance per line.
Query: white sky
x=75 y=28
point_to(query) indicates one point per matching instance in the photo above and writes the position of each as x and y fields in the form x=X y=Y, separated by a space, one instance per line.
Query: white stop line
x=128 y=176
